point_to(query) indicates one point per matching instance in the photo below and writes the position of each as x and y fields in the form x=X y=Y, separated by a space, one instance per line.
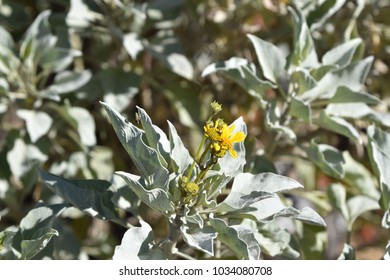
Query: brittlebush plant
x=212 y=207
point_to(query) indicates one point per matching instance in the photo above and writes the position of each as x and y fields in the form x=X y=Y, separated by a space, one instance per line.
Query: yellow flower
x=227 y=139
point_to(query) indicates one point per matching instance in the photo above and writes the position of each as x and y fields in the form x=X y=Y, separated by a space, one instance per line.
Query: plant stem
x=189 y=173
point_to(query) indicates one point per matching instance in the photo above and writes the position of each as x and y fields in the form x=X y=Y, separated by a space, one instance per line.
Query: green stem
x=189 y=173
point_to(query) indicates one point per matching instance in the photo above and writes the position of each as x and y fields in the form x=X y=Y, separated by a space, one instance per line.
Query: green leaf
x=318 y=16
x=57 y=59
x=6 y=39
x=346 y=95
x=22 y=158
x=357 y=205
x=379 y=153
x=67 y=81
x=358 y=177
x=248 y=233
x=137 y=244
x=272 y=119
x=199 y=238
x=156 y=198
x=230 y=237
x=79 y=15
x=37 y=123
x=90 y=196
x=156 y=138
x=302 y=81
x=33 y=246
x=348 y=253
x=180 y=156
x=306 y=215
x=132 y=44
x=271 y=59
x=327 y=158
x=342 y=55
x=387 y=253
x=243 y=73
x=338 y=198
x=300 y=109
x=352 y=76
x=358 y=111
x=264 y=209
x=273 y=239
x=248 y=189
x=304 y=54
x=145 y=158
x=338 y=125
x=85 y=125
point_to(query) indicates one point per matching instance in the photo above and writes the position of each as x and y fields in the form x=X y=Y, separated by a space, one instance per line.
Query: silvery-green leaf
x=249 y=236
x=37 y=123
x=379 y=153
x=359 y=177
x=57 y=59
x=327 y=158
x=23 y=157
x=345 y=95
x=248 y=189
x=90 y=196
x=179 y=155
x=145 y=158
x=338 y=198
x=38 y=38
x=348 y=253
x=304 y=53
x=85 y=125
x=132 y=44
x=358 y=111
x=387 y=253
x=6 y=39
x=342 y=54
x=271 y=59
x=169 y=56
x=273 y=239
x=306 y=214
x=264 y=209
x=137 y=244
x=156 y=138
x=193 y=216
x=67 y=81
x=302 y=81
x=80 y=16
x=300 y=109
x=229 y=236
x=272 y=118
x=338 y=125
x=199 y=238
x=352 y=76
x=232 y=166
x=322 y=11
x=156 y=198
x=124 y=197
x=33 y=246
x=243 y=73
x=357 y=205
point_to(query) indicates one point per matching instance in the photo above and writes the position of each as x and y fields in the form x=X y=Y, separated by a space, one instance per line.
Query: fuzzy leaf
x=327 y=158
x=200 y=238
x=38 y=123
x=145 y=158
x=346 y=95
x=338 y=125
x=357 y=205
x=156 y=198
x=272 y=121
x=338 y=197
x=179 y=154
x=33 y=246
x=301 y=110
x=342 y=54
x=271 y=59
x=229 y=236
x=91 y=196
x=243 y=73
x=85 y=125
x=137 y=243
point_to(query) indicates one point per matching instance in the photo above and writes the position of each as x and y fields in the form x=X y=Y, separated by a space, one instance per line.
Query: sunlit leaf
x=271 y=59
x=200 y=238
x=37 y=123
x=38 y=242
x=137 y=244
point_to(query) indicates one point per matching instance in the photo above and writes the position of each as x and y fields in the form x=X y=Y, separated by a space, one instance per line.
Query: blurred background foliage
x=59 y=58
